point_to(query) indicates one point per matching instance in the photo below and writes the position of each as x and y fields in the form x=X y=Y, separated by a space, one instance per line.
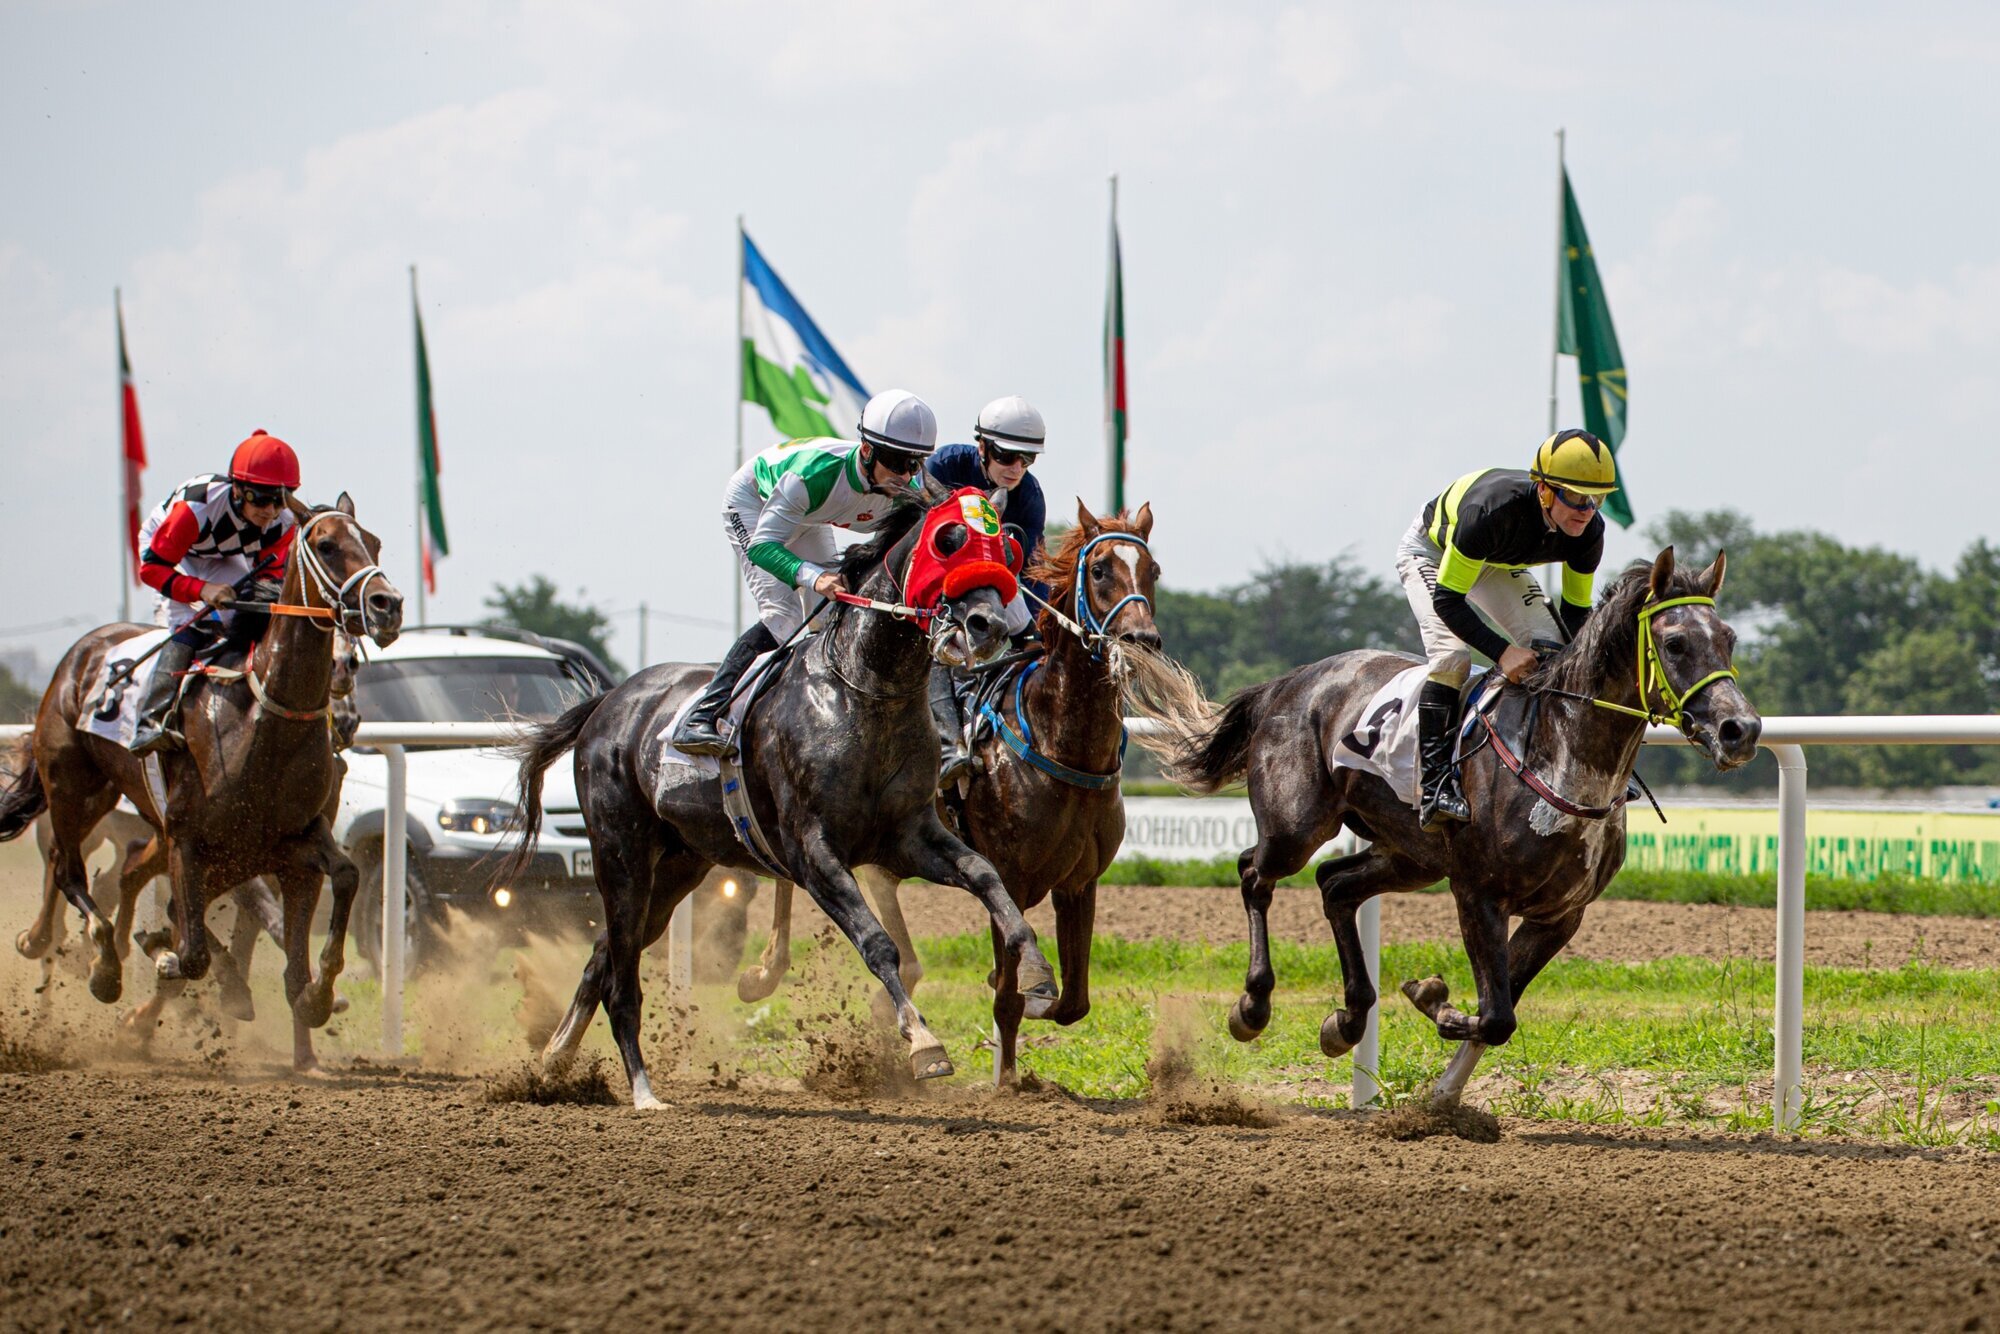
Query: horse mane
x=1611 y=636
x=1057 y=568
x=858 y=562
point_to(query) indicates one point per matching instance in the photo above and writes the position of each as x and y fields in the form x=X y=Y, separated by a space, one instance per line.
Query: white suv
x=462 y=802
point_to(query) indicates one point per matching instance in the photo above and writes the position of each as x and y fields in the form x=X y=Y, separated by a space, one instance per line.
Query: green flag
x=1585 y=333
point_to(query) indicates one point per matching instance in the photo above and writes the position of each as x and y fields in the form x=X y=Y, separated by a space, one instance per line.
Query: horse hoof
x=168 y=964
x=1330 y=1040
x=28 y=948
x=107 y=984
x=236 y=1003
x=339 y=1003
x=1428 y=994
x=313 y=1007
x=1240 y=1026
x=930 y=1063
x=755 y=984
x=1039 y=1006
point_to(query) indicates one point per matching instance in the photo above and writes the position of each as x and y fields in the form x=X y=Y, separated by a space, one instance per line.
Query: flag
x=1114 y=362
x=1584 y=331
x=430 y=501
x=131 y=437
x=789 y=367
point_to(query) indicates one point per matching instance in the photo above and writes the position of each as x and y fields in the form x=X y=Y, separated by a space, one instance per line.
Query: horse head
x=1104 y=574
x=337 y=559
x=944 y=554
x=1690 y=647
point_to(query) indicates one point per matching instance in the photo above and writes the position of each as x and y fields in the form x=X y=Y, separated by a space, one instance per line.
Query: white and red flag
x=132 y=439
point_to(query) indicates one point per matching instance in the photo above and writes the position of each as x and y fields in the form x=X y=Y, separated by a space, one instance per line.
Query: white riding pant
x=782 y=608
x=1512 y=601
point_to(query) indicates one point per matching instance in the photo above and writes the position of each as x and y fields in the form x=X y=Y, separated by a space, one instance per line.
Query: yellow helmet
x=1576 y=461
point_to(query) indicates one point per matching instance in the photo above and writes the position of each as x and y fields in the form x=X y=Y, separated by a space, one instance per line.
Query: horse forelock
x=858 y=562
x=1609 y=641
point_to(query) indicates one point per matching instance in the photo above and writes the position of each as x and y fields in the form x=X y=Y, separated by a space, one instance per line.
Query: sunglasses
x=1008 y=458
x=1576 y=500
x=897 y=462
x=262 y=495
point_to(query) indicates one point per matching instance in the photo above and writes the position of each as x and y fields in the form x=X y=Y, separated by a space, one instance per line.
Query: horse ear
x=1143 y=520
x=1085 y=519
x=345 y=504
x=934 y=492
x=1663 y=574
x=1711 y=578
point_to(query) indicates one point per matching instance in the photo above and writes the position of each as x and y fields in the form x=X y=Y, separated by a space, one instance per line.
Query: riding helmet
x=264 y=460
x=1011 y=423
x=898 y=419
x=1577 y=461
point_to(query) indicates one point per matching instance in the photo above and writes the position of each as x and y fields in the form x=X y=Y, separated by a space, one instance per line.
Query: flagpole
x=1113 y=359
x=741 y=388
x=415 y=305
x=124 y=472
x=1555 y=341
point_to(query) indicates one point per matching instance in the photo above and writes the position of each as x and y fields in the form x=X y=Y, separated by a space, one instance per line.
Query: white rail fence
x=1785 y=738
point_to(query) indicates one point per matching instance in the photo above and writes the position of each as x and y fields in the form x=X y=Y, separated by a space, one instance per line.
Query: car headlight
x=474 y=816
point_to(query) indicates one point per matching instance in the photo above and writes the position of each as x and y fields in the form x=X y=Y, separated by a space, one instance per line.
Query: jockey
x=779 y=512
x=1008 y=437
x=1475 y=546
x=211 y=535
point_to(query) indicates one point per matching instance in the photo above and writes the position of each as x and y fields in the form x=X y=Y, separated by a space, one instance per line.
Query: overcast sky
x=1339 y=228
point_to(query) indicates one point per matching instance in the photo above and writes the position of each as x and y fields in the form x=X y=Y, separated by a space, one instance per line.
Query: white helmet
x=1011 y=423
x=898 y=419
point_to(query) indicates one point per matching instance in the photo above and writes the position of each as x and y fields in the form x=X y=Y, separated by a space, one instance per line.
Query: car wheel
x=364 y=924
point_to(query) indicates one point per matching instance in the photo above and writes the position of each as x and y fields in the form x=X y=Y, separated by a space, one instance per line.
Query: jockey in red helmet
x=216 y=539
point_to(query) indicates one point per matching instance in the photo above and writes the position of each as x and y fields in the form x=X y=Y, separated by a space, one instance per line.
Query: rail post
x=1368 y=1052
x=1788 y=1017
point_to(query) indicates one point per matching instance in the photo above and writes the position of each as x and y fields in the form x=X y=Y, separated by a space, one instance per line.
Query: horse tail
x=1160 y=690
x=1220 y=752
x=536 y=748
x=22 y=798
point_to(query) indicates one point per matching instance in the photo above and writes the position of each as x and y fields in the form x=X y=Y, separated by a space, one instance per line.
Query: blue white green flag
x=789 y=367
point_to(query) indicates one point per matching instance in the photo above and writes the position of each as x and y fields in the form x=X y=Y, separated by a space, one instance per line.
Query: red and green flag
x=1114 y=362
x=132 y=439
x=430 y=501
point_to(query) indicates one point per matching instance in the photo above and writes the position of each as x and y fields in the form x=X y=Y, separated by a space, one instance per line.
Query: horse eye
x=1097 y=569
x=327 y=547
x=1676 y=644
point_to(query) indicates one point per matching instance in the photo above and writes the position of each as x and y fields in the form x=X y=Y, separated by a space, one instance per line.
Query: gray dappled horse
x=1654 y=647
x=841 y=762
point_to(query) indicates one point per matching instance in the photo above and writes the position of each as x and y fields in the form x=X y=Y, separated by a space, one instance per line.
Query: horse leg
x=884 y=889
x=143 y=860
x=190 y=913
x=1008 y=1007
x=1483 y=926
x=1076 y=924
x=834 y=890
x=1345 y=883
x=232 y=979
x=930 y=850
x=70 y=826
x=762 y=978
x=319 y=1003
x=1276 y=856
x=1528 y=952
x=641 y=888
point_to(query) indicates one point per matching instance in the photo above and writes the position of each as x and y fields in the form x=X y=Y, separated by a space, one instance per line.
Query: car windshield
x=462 y=690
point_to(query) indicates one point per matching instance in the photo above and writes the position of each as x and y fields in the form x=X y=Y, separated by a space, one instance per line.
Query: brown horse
x=248 y=796
x=1052 y=823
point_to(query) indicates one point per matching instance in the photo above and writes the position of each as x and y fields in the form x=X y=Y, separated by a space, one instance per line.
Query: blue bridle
x=1095 y=629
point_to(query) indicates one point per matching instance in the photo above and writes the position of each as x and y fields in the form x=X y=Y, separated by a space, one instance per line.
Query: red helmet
x=264 y=460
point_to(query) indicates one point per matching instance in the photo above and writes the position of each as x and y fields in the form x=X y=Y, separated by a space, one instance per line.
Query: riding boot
x=1437 y=731
x=152 y=733
x=699 y=732
x=954 y=756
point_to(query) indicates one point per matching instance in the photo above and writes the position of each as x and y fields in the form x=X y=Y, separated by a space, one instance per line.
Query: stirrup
x=708 y=741
x=955 y=765
x=1443 y=802
x=166 y=738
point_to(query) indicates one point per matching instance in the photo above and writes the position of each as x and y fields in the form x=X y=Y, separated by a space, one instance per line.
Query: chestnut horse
x=249 y=793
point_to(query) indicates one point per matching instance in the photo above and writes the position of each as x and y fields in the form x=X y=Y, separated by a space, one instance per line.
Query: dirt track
x=380 y=1201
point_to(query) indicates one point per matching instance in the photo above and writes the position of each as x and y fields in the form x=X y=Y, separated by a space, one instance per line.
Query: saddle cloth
x=753 y=685
x=128 y=696
x=1384 y=741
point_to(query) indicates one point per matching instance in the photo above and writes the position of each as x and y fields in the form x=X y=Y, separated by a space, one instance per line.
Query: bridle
x=1092 y=629
x=351 y=618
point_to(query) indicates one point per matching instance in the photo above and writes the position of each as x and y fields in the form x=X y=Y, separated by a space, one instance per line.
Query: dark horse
x=841 y=764
x=1654 y=646
x=249 y=794
x=1051 y=827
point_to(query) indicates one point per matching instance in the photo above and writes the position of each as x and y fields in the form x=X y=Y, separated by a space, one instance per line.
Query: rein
x=1088 y=626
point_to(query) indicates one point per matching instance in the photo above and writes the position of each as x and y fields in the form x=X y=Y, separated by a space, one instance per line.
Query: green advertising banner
x=1842 y=845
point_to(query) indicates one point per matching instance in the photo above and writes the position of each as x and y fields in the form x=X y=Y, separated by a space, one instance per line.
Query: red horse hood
x=988 y=559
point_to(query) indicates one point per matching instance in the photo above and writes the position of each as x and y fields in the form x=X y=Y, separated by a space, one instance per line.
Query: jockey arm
x=787 y=510
x=158 y=570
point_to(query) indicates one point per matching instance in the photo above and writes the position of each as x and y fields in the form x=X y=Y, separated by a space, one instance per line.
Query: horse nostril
x=1735 y=734
x=980 y=622
x=383 y=602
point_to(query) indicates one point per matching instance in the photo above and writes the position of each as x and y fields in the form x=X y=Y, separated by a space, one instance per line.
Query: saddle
x=736 y=803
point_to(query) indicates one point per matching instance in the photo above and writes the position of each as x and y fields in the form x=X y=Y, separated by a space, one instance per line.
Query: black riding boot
x=1437 y=728
x=954 y=756
x=698 y=733
x=173 y=658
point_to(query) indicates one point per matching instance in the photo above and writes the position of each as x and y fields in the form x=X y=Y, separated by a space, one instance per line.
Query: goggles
x=1576 y=500
x=896 y=461
x=262 y=495
x=1008 y=458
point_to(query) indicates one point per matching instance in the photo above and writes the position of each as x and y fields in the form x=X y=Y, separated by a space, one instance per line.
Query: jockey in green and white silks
x=779 y=512
x=1473 y=550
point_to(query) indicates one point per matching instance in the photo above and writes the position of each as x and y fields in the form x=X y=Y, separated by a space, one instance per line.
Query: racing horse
x=840 y=761
x=248 y=795
x=1548 y=826
x=1046 y=807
